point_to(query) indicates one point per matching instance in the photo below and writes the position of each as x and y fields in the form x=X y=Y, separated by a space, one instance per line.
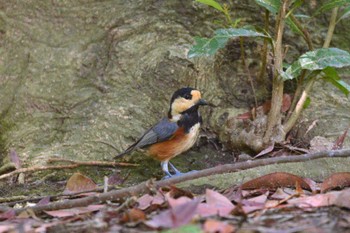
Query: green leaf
x=331 y=4
x=325 y=57
x=205 y=46
x=333 y=77
x=237 y=32
x=271 y=5
x=185 y=229
x=293 y=71
x=209 y=46
x=212 y=3
x=293 y=26
x=307 y=102
x=302 y=16
x=318 y=60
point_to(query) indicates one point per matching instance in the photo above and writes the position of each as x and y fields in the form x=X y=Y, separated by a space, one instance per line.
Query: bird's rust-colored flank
x=168 y=149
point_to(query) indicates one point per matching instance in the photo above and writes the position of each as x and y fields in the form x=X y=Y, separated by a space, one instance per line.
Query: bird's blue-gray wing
x=158 y=133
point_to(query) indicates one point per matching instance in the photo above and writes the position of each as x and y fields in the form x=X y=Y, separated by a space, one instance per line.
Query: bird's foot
x=177 y=174
x=172 y=175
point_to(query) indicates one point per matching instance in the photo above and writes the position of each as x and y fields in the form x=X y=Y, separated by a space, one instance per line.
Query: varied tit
x=174 y=134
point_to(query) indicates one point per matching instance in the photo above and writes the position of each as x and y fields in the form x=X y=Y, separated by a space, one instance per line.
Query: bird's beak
x=202 y=102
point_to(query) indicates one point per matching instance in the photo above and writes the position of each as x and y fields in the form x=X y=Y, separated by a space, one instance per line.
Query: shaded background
x=78 y=75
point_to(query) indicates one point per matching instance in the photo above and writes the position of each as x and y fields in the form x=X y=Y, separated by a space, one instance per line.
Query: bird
x=175 y=133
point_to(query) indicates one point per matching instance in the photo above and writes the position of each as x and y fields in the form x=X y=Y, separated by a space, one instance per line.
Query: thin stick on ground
x=75 y=164
x=92 y=163
x=21 y=199
x=116 y=195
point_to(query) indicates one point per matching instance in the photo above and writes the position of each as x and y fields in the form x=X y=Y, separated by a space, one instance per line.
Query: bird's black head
x=183 y=100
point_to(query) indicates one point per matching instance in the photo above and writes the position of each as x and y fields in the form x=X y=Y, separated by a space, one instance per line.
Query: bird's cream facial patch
x=182 y=104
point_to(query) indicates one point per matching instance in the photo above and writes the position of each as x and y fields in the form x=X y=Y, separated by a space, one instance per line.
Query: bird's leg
x=177 y=172
x=164 y=165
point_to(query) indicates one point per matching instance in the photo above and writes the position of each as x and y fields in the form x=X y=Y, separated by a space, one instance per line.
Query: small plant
x=315 y=64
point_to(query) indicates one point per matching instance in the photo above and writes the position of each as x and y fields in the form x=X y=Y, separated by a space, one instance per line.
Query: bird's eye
x=188 y=96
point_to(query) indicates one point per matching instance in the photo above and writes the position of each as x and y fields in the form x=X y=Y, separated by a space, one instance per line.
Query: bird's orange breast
x=177 y=144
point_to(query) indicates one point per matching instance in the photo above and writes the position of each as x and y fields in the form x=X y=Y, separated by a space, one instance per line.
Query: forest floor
x=274 y=202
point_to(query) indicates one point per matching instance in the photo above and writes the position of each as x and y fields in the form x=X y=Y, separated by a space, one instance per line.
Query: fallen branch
x=143 y=187
x=92 y=163
x=10 y=201
x=75 y=164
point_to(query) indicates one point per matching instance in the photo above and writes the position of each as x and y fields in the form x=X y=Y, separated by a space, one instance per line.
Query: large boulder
x=83 y=79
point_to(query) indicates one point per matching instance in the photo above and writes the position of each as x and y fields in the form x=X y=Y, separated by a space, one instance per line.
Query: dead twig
x=143 y=187
x=21 y=199
x=92 y=163
x=75 y=164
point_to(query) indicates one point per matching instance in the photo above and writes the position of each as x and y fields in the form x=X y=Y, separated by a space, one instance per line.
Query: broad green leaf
x=271 y=5
x=205 y=46
x=212 y=3
x=331 y=4
x=325 y=57
x=333 y=77
x=209 y=46
x=318 y=60
x=293 y=71
x=237 y=32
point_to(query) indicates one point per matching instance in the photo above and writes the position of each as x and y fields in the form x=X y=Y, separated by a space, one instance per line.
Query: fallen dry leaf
x=265 y=151
x=245 y=116
x=338 y=198
x=147 y=200
x=133 y=215
x=216 y=199
x=298 y=188
x=255 y=203
x=275 y=180
x=10 y=214
x=336 y=180
x=44 y=201
x=176 y=192
x=261 y=199
x=272 y=204
x=6 y=228
x=338 y=144
x=79 y=183
x=343 y=199
x=144 y=201
x=280 y=194
x=318 y=200
x=215 y=226
x=173 y=203
x=313 y=185
x=74 y=211
x=216 y=204
x=175 y=217
x=286 y=102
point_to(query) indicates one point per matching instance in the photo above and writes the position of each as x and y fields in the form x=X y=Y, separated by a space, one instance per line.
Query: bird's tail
x=127 y=151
